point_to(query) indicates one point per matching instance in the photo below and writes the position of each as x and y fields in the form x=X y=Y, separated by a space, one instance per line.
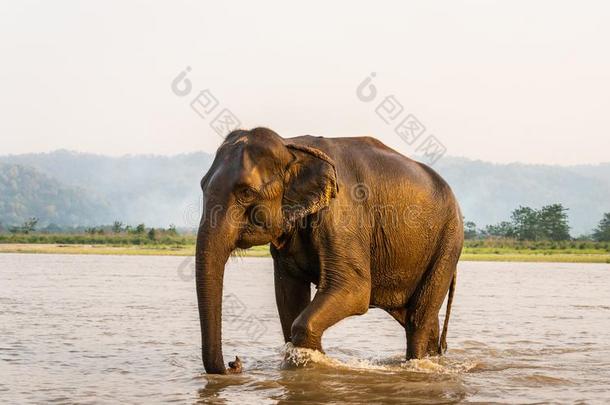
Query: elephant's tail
x=442 y=347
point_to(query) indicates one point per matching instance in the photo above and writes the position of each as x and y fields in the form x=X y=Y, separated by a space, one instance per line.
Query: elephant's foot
x=303 y=336
x=295 y=357
x=235 y=366
x=420 y=343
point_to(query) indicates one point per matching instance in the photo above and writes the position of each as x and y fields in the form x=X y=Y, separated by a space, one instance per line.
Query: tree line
x=547 y=223
x=117 y=228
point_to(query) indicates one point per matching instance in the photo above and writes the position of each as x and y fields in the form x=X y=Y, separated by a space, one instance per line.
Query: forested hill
x=155 y=190
x=488 y=192
x=25 y=192
x=160 y=190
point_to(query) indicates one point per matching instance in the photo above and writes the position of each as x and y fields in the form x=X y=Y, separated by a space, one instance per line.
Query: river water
x=109 y=329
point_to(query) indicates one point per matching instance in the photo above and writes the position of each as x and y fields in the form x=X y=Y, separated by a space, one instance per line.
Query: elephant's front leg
x=292 y=295
x=328 y=307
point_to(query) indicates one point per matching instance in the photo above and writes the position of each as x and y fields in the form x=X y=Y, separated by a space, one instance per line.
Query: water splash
x=295 y=357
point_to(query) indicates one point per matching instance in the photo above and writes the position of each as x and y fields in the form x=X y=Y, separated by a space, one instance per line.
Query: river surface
x=110 y=329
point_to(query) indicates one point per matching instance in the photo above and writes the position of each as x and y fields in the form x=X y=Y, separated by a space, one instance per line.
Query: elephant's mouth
x=252 y=236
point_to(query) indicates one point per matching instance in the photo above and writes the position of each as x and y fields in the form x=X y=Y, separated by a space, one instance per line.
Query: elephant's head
x=257 y=188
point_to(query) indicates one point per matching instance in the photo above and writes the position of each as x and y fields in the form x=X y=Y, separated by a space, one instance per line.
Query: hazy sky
x=500 y=81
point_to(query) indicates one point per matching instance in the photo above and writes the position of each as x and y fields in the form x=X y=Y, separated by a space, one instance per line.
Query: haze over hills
x=69 y=188
x=155 y=190
x=26 y=192
x=488 y=192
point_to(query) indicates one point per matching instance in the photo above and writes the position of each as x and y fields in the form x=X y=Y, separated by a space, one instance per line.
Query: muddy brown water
x=109 y=329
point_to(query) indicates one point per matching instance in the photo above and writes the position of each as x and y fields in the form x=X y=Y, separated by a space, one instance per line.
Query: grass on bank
x=119 y=239
x=536 y=251
x=184 y=245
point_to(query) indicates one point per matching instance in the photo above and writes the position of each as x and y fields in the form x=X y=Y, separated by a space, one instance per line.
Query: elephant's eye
x=245 y=194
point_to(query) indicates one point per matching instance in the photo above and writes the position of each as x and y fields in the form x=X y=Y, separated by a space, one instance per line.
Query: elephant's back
x=368 y=164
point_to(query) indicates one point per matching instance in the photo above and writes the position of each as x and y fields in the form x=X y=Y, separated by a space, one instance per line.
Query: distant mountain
x=26 y=192
x=600 y=172
x=488 y=192
x=155 y=190
x=159 y=190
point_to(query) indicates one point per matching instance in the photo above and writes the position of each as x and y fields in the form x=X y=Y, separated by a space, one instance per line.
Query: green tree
x=504 y=229
x=117 y=227
x=172 y=231
x=152 y=234
x=27 y=227
x=140 y=229
x=552 y=222
x=30 y=225
x=602 y=232
x=470 y=230
x=525 y=223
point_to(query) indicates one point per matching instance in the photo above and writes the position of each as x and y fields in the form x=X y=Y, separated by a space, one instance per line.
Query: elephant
x=368 y=226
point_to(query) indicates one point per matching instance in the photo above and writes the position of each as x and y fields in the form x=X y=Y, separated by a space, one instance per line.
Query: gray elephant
x=365 y=224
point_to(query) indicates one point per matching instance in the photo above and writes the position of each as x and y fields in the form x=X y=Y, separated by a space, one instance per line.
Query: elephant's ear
x=309 y=184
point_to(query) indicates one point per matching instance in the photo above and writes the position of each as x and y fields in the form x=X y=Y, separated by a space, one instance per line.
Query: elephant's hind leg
x=433 y=340
x=422 y=328
x=400 y=314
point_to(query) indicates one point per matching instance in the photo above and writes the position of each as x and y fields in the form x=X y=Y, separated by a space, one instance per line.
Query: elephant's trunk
x=211 y=256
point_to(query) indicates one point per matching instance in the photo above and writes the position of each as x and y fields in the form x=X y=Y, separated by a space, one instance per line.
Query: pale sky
x=507 y=81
